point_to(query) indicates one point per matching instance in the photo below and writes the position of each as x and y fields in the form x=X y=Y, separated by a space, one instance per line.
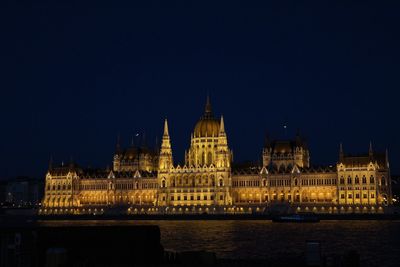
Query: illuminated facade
x=143 y=180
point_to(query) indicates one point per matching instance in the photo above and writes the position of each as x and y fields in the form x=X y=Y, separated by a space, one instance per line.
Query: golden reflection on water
x=376 y=241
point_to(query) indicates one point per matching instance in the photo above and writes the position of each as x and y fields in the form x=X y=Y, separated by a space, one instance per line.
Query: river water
x=377 y=242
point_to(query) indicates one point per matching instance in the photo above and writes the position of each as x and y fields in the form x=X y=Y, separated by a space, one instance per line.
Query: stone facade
x=143 y=180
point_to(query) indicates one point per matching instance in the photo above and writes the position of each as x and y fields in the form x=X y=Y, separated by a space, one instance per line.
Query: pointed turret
x=222 y=142
x=165 y=160
x=166 y=133
x=223 y=158
x=166 y=144
x=222 y=126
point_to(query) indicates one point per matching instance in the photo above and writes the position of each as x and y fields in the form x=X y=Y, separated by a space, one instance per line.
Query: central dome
x=207 y=125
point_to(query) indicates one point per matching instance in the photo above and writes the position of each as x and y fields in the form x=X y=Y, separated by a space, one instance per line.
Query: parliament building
x=146 y=181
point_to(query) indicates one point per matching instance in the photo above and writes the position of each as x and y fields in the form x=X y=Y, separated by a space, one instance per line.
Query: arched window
x=371 y=179
x=357 y=180
x=203 y=158
x=295 y=182
x=264 y=182
x=209 y=158
x=58 y=187
x=349 y=180
x=221 y=182
x=163 y=184
x=136 y=185
x=364 y=179
x=341 y=180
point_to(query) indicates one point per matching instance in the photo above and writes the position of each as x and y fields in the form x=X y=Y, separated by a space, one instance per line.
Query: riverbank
x=198 y=217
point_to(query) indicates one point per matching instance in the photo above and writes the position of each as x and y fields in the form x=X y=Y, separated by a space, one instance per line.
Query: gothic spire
x=222 y=125
x=165 y=159
x=166 y=133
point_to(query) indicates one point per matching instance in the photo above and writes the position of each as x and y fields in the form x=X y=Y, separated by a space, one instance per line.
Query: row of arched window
x=102 y=186
x=58 y=187
x=191 y=182
x=285 y=182
x=249 y=183
x=357 y=180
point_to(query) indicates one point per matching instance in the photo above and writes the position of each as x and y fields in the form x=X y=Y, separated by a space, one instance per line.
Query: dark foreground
x=184 y=242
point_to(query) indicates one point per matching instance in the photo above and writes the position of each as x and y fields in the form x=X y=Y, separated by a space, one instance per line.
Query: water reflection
x=376 y=241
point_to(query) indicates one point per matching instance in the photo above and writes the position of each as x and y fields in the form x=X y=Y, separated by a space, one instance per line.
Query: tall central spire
x=208 y=110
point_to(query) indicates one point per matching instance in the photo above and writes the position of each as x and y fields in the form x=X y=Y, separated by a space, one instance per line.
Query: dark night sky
x=75 y=76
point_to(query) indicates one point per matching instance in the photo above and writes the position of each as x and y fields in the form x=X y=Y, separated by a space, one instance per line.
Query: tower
x=301 y=155
x=223 y=156
x=267 y=152
x=117 y=155
x=165 y=158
